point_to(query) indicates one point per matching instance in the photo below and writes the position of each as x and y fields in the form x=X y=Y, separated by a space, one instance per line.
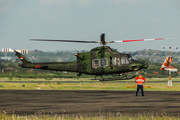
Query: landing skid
x=111 y=79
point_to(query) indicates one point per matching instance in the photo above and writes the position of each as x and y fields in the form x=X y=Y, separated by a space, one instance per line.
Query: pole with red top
x=170 y=80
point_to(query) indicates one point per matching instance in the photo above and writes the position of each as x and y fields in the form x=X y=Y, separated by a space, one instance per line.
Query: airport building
x=11 y=50
x=7 y=50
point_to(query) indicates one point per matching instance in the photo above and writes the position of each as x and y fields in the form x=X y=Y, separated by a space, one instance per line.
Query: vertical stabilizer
x=22 y=58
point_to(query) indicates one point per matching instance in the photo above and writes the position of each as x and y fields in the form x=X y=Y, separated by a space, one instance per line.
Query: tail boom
x=56 y=66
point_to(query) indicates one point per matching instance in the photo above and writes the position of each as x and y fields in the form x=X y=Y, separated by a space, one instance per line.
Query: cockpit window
x=114 y=60
x=114 y=50
x=118 y=61
x=129 y=57
x=124 y=60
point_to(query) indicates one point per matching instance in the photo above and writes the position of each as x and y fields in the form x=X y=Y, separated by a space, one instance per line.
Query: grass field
x=101 y=116
x=82 y=84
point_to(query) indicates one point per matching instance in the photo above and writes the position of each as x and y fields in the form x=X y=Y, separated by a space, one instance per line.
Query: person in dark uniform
x=140 y=80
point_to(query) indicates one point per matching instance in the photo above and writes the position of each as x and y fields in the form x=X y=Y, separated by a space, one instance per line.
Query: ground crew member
x=140 y=80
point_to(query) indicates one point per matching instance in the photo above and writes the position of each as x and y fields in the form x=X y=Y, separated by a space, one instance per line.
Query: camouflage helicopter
x=98 y=61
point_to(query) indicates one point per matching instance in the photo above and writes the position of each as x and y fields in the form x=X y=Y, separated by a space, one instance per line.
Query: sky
x=21 y=20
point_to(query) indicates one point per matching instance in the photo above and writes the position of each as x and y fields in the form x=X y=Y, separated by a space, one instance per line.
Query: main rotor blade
x=141 y=40
x=65 y=40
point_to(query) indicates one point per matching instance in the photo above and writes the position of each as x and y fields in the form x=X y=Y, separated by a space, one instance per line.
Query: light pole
x=169 y=80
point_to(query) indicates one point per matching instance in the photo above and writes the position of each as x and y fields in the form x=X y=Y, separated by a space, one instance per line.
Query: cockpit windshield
x=129 y=57
x=114 y=50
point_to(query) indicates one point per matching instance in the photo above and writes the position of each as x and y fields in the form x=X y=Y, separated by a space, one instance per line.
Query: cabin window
x=114 y=60
x=95 y=63
x=104 y=62
x=124 y=60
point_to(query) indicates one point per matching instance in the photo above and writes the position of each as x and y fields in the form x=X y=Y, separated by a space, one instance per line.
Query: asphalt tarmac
x=89 y=102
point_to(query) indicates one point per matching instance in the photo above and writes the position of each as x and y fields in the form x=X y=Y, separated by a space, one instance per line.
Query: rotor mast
x=103 y=42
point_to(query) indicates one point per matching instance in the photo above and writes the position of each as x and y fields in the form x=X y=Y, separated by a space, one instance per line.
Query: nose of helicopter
x=137 y=65
x=144 y=66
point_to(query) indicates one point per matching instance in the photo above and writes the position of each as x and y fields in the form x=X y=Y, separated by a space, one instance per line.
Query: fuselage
x=99 y=61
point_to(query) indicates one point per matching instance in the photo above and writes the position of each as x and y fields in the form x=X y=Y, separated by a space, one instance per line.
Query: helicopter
x=99 y=61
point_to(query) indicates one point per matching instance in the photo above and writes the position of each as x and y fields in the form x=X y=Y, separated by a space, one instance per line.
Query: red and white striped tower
x=170 y=80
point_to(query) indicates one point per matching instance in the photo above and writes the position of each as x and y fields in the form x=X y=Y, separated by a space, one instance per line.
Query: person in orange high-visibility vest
x=140 y=80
